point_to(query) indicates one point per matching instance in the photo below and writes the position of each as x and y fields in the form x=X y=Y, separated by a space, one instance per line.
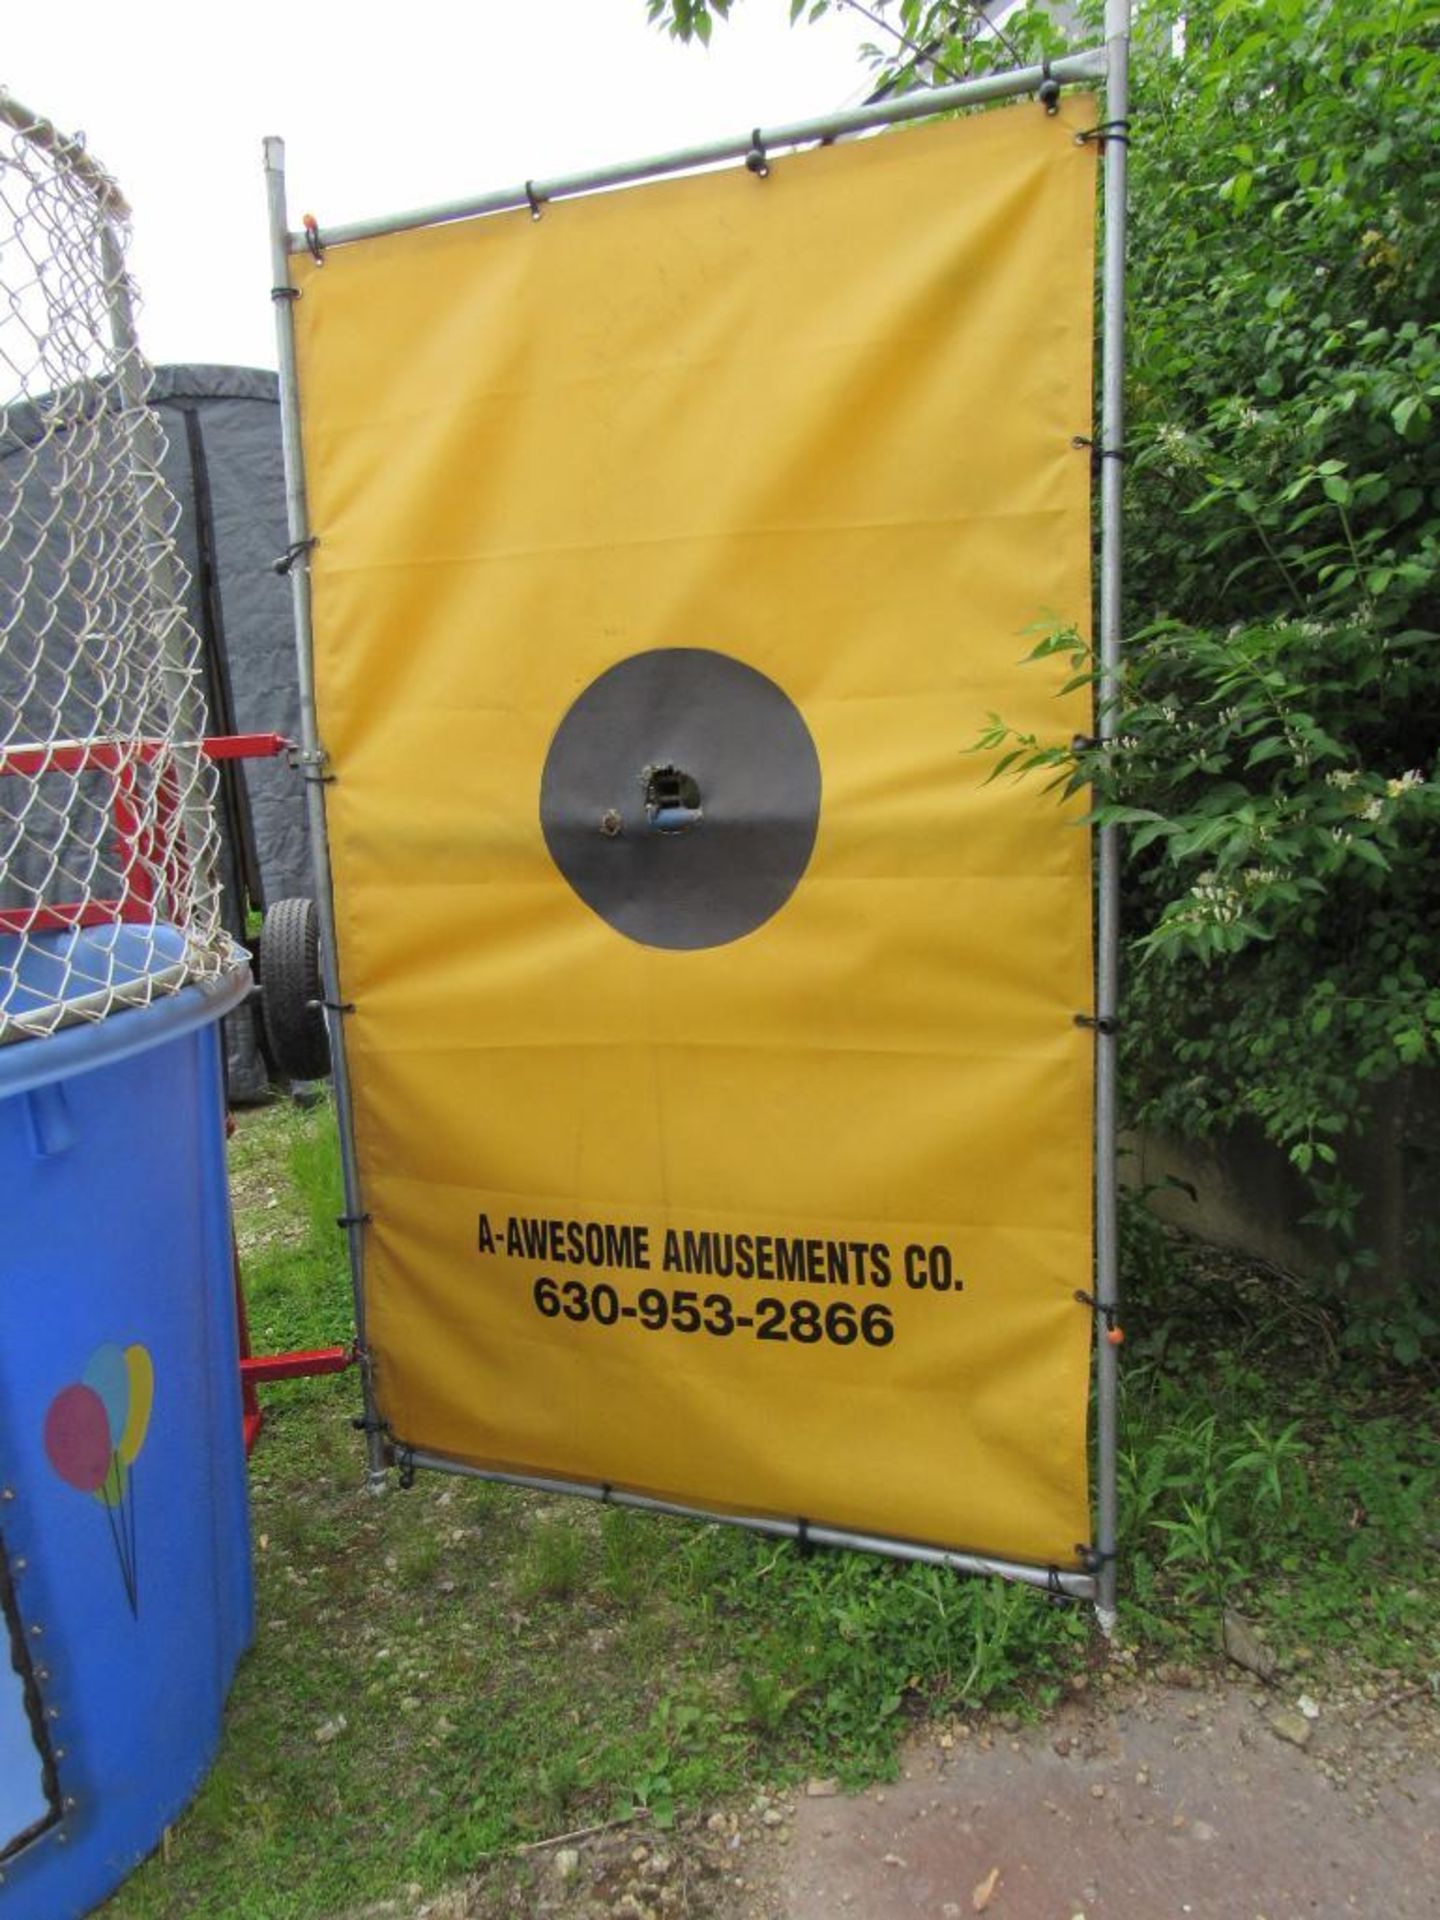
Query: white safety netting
x=108 y=833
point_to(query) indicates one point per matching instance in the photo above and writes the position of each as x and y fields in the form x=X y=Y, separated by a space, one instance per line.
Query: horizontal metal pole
x=109 y=754
x=1089 y=65
x=302 y=1364
x=1078 y=1586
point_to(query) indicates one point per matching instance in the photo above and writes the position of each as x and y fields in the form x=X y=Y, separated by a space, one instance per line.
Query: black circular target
x=681 y=797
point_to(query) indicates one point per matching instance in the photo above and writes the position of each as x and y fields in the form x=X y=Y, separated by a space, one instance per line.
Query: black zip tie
x=347 y=1220
x=1114 y=1332
x=1105 y=1023
x=607 y=1493
x=405 y=1462
x=1084 y=742
x=285 y=293
x=536 y=201
x=1108 y=1313
x=1116 y=130
x=804 y=1545
x=1097 y=454
x=756 y=159
x=295 y=551
x=1053 y=1585
x=331 y=1006
x=313 y=240
x=1048 y=91
x=1091 y=1558
x=364 y=1422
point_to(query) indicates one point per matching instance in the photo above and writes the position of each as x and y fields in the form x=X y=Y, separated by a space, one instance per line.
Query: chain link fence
x=108 y=833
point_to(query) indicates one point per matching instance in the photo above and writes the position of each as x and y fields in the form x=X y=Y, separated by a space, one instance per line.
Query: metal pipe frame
x=1107 y=945
x=65 y=151
x=312 y=759
x=922 y=104
x=1057 y=1580
x=1109 y=64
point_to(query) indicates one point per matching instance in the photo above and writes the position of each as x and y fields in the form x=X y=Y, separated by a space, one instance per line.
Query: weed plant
x=1264 y=1468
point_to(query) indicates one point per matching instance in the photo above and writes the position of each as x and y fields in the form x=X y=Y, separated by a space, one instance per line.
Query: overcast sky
x=381 y=108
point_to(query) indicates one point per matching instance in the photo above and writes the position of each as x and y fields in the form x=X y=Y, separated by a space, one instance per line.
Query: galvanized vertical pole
x=1107 y=959
x=312 y=761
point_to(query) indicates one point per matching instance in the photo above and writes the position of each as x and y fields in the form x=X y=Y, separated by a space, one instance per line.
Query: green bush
x=1275 y=772
x=1278 y=753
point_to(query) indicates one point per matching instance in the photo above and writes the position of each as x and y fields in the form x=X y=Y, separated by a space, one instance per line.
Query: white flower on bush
x=1414 y=778
x=1176 y=446
x=1341 y=778
x=1214 y=900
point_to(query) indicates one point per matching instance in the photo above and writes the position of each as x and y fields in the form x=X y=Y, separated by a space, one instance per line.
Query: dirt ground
x=1136 y=1801
x=1171 y=1803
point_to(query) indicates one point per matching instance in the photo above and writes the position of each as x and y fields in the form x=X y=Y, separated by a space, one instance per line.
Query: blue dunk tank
x=124 y=1547
x=125 y=1597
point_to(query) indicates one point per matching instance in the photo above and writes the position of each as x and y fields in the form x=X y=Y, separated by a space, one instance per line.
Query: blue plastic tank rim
x=62 y=975
x=121 y=1034
x=41 y=1018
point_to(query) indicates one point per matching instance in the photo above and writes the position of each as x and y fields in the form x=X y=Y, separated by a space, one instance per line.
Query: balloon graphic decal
x=141 y=1375
x=77 y=1438
x=94 y=1431
x=106 y=1375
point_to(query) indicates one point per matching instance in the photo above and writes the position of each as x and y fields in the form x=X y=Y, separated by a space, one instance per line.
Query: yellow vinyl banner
x=721 y=1107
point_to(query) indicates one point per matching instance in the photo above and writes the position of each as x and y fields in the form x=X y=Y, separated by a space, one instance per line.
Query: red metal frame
x=142 y=850
x=257 y=1369
x=112 y=756
x=144 y=861
x=299 y=1365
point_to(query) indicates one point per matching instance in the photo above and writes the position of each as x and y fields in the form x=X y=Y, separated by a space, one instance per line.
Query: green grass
x=509 y=1666
x=285 y=1179
x=1264 y=1469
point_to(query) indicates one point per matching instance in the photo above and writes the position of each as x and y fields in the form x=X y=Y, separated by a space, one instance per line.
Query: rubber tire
x=291 y=990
